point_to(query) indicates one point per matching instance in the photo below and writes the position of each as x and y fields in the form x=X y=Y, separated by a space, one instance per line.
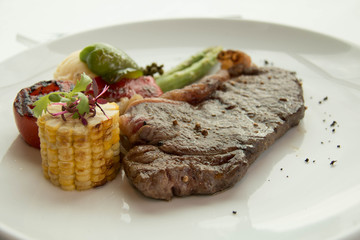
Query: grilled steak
x=204 y=145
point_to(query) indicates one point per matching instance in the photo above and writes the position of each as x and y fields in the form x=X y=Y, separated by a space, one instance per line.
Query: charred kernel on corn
x=80 y=157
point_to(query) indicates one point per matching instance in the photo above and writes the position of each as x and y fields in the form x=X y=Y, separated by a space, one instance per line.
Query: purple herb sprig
x=75 y=104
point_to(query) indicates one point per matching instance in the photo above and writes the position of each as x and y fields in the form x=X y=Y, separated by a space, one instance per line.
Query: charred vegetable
x=24 y=104
x=76 y=156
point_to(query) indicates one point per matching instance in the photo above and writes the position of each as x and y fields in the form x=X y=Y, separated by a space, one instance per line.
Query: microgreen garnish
x=75 y=103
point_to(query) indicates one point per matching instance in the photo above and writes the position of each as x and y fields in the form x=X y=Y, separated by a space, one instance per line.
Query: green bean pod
x=190 y=70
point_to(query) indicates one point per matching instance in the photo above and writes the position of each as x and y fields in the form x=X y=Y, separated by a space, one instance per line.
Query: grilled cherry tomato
x=144 y=86
x=23 y=105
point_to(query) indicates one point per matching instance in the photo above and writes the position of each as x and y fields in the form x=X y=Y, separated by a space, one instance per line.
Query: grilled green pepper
x=190 y=70
x=110 y=63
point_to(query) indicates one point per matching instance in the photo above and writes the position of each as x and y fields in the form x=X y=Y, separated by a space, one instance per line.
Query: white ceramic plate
x=311 y=200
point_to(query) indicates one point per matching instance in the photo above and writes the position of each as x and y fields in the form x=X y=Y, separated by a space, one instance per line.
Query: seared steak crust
x=183 y=148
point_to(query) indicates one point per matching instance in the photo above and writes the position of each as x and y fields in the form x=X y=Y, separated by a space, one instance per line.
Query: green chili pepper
x=110 y=63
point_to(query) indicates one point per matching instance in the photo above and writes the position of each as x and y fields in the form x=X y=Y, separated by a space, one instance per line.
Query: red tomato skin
x=23 y=105
x=28 y=129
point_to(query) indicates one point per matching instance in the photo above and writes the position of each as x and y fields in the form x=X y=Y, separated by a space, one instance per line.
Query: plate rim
x=154 y=21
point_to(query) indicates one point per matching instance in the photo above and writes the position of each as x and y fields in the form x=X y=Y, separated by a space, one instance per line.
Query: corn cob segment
x=80 y=157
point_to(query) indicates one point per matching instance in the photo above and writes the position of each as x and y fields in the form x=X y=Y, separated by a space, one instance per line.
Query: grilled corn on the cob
x=80 y=157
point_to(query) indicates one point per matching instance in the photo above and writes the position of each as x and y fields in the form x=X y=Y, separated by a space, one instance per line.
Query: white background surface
x=43 y=20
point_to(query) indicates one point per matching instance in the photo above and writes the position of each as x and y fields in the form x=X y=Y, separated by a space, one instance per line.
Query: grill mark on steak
x=215 y=140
